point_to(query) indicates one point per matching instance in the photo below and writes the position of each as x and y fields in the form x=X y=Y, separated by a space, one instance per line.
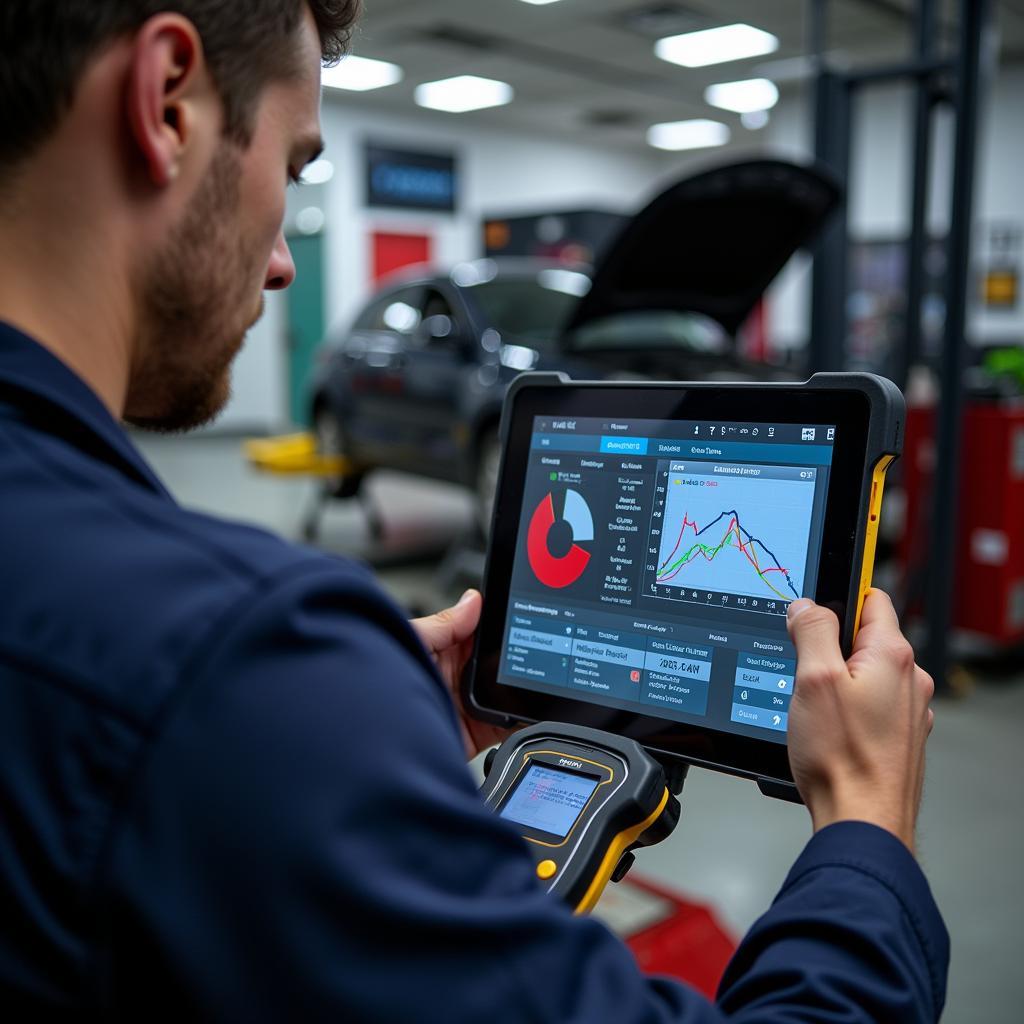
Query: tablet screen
x=655 y=561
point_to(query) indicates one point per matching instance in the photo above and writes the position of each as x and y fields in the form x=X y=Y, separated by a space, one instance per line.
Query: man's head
x=186 y=119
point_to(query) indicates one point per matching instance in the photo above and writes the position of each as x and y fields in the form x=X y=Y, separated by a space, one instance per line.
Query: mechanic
x=232 y=781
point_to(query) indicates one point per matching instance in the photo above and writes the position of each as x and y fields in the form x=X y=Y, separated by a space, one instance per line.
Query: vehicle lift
x=297 y=455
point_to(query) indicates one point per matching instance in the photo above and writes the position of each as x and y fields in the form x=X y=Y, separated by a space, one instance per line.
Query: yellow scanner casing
x=616 y=848
x=871 y=533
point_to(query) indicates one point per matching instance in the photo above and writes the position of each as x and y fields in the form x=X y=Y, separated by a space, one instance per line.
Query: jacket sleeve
x=853 y=935
x=304 y=841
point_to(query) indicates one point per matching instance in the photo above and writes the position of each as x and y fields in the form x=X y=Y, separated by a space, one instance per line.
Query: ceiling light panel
x=743 y=97
x=361 y=74
x=695 y=134
x=716 y=45
x=464 y=93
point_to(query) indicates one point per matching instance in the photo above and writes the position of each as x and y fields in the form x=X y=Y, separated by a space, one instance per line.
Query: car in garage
x=416 y=382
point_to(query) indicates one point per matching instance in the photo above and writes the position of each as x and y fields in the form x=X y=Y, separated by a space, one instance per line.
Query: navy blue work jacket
x=232 y=788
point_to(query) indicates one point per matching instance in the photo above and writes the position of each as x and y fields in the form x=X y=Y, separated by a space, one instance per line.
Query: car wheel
x=487 y=466
x=330 y=440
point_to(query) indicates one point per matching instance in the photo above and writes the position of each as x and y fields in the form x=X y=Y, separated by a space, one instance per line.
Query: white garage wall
x=259 y=401
x=259 y=397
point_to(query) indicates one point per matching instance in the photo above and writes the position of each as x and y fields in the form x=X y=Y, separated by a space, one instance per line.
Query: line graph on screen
x=735 y=535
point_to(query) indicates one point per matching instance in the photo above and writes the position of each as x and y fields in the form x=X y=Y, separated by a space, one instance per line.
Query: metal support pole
x=974 y=21
x=907 y=356
x=817 y=32
x=827 y=346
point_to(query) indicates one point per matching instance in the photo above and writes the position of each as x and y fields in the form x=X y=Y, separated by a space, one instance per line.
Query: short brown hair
x=47 y=44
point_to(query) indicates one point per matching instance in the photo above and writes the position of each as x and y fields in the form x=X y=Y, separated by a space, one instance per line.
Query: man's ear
x=166 y=77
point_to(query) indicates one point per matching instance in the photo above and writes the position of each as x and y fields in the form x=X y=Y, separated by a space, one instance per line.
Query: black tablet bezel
x=849 y=410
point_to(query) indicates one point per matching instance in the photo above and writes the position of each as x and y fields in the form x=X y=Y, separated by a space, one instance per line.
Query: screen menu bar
x=689 y=430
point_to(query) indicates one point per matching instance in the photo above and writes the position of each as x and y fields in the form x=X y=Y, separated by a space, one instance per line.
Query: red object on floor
x=392 y=252
x=689 y=944
x=988 y=559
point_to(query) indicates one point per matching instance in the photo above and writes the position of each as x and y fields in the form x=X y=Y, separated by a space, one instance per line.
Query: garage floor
x=733 y=847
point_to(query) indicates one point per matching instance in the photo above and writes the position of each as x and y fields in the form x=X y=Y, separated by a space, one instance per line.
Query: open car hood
x=711 y=244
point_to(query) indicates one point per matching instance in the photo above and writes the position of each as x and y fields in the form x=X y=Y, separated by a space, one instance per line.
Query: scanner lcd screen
x=655 y=562
x=549 y=800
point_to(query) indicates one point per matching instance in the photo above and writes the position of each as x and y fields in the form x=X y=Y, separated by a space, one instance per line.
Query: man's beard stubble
x=196 y=308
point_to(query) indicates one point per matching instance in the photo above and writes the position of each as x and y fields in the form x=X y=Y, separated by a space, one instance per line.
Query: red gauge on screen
x=559 y=571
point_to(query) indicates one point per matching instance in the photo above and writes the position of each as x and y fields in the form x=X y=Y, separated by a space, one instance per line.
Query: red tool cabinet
x=988 y=558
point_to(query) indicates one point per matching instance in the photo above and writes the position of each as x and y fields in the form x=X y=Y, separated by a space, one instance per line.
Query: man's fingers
x=815 y=633
x=451 y=626
x=880 y=638
x=879 y=623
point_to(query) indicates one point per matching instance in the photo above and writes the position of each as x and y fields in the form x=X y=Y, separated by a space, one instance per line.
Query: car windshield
x=531 y=310
x=651 y=329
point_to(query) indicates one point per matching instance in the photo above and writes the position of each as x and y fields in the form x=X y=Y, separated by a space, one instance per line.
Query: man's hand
x=857 y=729
x=448 y=636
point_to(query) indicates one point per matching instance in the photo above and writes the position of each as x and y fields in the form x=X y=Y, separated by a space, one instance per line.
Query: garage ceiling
x=585 y=69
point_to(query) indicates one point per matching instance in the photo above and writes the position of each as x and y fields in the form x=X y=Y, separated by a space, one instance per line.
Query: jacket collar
x=45 y=390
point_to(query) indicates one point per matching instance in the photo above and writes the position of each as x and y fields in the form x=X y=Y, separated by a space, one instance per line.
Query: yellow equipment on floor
x=294 y=455
x=297 y=455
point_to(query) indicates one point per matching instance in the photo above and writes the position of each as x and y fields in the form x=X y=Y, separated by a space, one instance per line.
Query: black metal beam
x=826 y=348
x=909 y=354
x=974 y=21
x=817 y=32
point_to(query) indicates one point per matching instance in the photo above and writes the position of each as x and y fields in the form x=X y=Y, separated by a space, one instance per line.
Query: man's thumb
x=466 y=614
x=814 y=631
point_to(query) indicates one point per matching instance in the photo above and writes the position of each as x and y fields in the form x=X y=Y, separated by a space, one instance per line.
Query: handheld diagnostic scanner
x=583 y=799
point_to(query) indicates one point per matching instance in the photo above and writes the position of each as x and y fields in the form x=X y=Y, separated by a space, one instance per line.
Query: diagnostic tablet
x=647 y=541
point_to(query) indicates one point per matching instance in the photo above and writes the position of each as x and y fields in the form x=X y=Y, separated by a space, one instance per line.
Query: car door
x=375 y=354
x=441 y=355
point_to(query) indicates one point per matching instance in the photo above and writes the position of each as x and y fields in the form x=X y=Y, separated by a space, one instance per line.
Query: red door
x=391 y=252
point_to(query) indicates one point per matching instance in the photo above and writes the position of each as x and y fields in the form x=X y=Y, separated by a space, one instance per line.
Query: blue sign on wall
x=410 y=181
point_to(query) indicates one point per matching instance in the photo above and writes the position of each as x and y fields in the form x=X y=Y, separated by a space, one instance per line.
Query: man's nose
x=281 y=269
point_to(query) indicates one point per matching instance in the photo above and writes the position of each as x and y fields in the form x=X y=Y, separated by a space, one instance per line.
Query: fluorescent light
x=754 y=119
x=539 y=2
x=743 y=97
x=696 y=134
x=715 y=45
x=360 y=74
x=463 y=93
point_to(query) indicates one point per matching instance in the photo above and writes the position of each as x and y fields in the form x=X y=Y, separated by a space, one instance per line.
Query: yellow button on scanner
x=546 y=868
